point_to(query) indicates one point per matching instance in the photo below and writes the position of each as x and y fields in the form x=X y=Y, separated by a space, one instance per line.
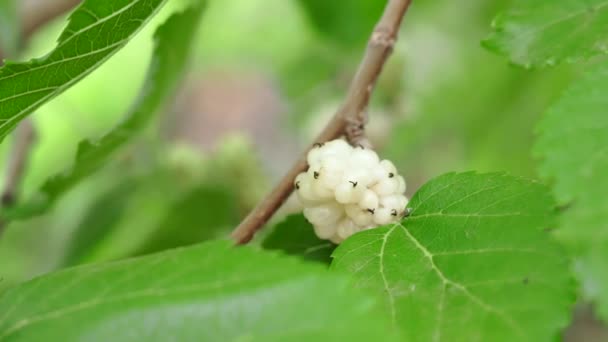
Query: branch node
x=383 y=38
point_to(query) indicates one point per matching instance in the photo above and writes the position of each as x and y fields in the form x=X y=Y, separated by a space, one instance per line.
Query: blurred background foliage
x=265 y=77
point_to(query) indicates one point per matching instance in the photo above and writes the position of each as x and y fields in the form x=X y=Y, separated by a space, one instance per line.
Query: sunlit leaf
x=472 y=262
x=96 y=30
x=166 y=68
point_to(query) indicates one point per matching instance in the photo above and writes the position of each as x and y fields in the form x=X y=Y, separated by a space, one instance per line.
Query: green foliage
x=203 y=213
x=9 y=28
x=103 y=215
x=348 y=25
x=487 y=131
x=209 y=292
x=166 y=68
x=546 y=32
x=471 y=262
x=169 y=206
x=295 y=236
x=573 y=145
x=474 y=261
x=95 y=32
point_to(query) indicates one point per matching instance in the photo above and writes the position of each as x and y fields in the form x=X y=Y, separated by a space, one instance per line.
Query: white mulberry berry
x=346 y=190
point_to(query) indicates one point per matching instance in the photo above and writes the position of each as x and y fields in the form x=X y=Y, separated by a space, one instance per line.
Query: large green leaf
x=208 y=292
x=573 y=145
x=9 y=29
x=173 y=42
x=546 y=32
x=472 y=262
x=96 y=30
x=295 y=236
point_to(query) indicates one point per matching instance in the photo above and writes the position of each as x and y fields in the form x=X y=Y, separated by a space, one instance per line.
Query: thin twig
x=349 y=120
x=24 y=139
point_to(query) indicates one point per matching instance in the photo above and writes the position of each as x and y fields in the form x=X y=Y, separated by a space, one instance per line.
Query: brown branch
x=24 y=139
x=349 y=120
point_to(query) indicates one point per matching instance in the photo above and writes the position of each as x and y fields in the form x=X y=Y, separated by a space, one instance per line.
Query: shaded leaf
x=346 y=23
x=204 y=213
x=166 y=68
x=166 y=206
x=546 y=32
x=573 y=145
x=472 y=262
x=208 y=292
x=98 y=222
x=295 y=236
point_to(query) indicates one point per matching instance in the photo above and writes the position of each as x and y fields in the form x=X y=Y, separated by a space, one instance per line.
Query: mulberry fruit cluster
x=348 y=189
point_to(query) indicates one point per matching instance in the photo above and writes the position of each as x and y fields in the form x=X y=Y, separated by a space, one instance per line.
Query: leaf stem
x=349 y=120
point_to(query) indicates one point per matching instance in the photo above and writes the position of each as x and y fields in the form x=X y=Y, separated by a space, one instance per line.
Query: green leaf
x=295 y=236
x=346 y=23
x=9 y=27
x=472 y=262
x=173 y=41
x=165 y=207
x=547 y=32
x=96 y=30
x=208 y=292
x=573 y=146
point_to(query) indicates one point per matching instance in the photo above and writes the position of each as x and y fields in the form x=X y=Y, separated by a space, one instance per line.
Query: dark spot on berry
x=394 y=212
x=526 y=281
x=298 y=185
x=318 y=145
x=353 y=183
x=361 y=126
x=372 y=211
x=391 y=175
x=315 y=174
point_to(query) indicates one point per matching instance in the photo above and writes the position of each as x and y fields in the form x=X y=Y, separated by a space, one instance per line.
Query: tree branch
x=24 y=139
x=349 y=120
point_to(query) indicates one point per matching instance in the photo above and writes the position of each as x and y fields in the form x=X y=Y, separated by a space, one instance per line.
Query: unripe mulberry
x=347 y=189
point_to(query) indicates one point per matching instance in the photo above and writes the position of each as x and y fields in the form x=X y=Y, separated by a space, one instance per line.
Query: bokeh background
x=264 y=78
